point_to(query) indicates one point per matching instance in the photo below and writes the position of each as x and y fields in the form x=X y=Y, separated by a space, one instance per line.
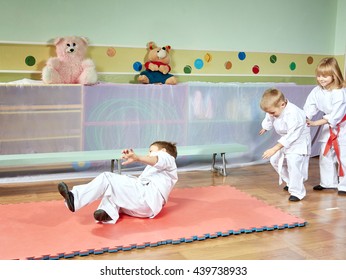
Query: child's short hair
x=170 y=147
x=329 y=67
x=271 y=98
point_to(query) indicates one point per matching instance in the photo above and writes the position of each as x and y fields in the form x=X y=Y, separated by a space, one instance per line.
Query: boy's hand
x=315 y=123
x=309 y=122
x=129 y=156
x=268 y=153
x=262 y=131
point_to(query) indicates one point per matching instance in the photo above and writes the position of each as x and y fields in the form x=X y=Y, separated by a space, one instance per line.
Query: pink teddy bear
x=70 y=65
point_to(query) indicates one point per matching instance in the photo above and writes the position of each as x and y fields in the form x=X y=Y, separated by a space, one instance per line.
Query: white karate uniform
x=292 y=161
x=142 y=196
x=333 y=105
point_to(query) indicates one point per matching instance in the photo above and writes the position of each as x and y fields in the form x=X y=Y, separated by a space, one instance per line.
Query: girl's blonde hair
x=329 y=67
x=272 y=98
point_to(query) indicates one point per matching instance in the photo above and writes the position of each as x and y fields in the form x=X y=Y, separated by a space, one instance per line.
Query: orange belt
x=333 y=141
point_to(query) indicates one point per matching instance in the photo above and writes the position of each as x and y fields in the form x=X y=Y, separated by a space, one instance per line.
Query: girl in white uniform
x=329 y=97
x=142 y=196
x=290 y=156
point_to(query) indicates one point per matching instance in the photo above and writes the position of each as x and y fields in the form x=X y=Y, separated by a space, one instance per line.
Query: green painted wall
x=340 y=30
x=293 y=26
x=288 y=28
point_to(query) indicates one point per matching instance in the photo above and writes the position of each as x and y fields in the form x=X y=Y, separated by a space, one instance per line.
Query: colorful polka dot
x=199 y=63
x=111 y=52
x=241 y=55
x=207 y=57
x=310 y=60
x=293 y=66
x=137 y=66
x=187 y=69
x=255 y=69
x=30 y=60
x=273 y=58
x=228 y=65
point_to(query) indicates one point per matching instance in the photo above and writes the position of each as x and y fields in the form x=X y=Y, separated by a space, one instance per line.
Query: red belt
x=333 y=142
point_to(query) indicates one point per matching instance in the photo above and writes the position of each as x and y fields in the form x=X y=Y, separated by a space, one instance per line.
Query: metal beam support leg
x=213 y=169
x=223 y=170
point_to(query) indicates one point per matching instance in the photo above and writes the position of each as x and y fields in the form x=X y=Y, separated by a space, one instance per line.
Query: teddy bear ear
x=58 y=40
x=151 y=45
x=168 y=48
x=85 y=40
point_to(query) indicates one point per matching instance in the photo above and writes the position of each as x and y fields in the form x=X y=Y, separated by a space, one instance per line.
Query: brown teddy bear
x=70 y=66
x=157 y=66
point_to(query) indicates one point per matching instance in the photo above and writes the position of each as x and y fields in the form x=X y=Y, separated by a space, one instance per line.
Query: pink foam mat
x=48 y=230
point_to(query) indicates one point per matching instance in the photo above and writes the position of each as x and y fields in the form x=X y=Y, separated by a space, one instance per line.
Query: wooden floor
x=324 y=237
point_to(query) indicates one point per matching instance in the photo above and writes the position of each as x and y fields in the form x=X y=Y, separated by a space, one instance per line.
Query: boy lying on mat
x=142 y=196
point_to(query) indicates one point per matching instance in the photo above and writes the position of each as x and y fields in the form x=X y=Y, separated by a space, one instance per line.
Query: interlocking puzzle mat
x=48 y=230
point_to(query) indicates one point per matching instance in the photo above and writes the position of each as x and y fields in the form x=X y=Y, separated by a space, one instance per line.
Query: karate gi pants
x=118 y=194
x=293 y=169
x=329 y=168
